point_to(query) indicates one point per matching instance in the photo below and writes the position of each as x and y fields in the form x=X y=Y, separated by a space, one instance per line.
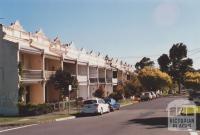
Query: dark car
x=114 y=105
x=194 y=96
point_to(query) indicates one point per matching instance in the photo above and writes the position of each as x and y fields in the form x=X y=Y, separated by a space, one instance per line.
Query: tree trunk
x=179 y=87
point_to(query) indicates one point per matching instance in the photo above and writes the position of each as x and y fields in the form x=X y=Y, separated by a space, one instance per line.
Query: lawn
x=13 y=121
x=189 y=110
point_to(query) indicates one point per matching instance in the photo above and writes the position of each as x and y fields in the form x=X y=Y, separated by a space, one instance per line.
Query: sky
x=124 y=29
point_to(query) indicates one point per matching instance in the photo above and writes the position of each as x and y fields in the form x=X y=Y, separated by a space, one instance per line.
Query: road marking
x=10 y=129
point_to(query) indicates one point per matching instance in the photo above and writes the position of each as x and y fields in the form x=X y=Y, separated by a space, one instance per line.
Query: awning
x=82 y=63
x=69 y=61
x=52 y=57
x=29 y=49
x=32 y=81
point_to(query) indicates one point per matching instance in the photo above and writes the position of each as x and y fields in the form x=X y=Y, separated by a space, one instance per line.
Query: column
x=88 y=80
x=76 y=74
x=61 y=62
x=44 y=92
x=98 y=76
x=105 y=75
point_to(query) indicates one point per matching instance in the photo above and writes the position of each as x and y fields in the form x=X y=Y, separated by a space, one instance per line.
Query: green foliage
x=20 y=68
x=145 y=62
x=177 y=63
x=100 y=92
x=164 y=63
x=192 y=80
x=21 y=92
x=30 y=110
x=154 y=79
x=132 y=87
x=118 y=93
x=62 y=80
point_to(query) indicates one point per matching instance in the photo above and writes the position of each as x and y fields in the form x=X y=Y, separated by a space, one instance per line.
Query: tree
x=132 y=87
x=100 y=92
x=118 y=92
x=177 y=63
x=144 y=62
x=192 y=80
x=164 y=63
x=153 y=79
x=61 y=80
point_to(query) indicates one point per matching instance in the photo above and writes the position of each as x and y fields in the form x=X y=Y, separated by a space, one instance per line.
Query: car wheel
x=101 y=111
x=109 y=109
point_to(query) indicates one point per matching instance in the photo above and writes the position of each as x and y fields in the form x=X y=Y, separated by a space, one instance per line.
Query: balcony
x=31 y=74
x=114 y=81
x=108 y=80
x=102 y=80
x=93 y=80
x=48 y=74
x=82 y=78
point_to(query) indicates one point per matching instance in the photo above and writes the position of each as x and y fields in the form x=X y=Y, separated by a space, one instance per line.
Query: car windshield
x=90 y=102
x=107 y=100
x=146 y=94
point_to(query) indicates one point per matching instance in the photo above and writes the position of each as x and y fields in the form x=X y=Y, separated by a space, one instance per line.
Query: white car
x=95 y=105
x=146 y=96
x=158 y=93
x=153 y=95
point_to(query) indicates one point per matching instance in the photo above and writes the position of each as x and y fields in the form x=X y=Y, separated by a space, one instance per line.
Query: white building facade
x=39 y=58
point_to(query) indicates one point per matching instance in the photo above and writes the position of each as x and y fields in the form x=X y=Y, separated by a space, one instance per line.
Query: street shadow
x=155 y=122
x=158 y=122
x=79 y=115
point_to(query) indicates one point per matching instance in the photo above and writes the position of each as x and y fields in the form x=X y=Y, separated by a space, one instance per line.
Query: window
x=101 y=101
x=90 y=102
x=114 y=74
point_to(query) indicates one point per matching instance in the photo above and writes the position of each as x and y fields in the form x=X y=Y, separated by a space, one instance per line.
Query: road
x=146 y=118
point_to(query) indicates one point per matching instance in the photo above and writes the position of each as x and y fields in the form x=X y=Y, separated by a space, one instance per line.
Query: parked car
x=158 y=93
x=146 y=96
x=195 y=96
x=114 y=105
x=153 y=94
x=95 y=106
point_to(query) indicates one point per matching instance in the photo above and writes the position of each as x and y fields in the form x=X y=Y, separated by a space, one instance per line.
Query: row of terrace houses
x=39 y=58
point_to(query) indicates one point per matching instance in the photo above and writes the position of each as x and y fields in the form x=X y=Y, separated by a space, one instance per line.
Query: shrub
x=100 y=92
x=29 y=109
x=116 y=95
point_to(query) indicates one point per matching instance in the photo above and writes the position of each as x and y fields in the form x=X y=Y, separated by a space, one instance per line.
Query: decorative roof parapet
x=17 y=26
x=68 y=50
x=40 y=33
x=57 y=41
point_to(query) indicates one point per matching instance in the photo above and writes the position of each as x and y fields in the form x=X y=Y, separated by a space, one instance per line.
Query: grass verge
x=19 y=121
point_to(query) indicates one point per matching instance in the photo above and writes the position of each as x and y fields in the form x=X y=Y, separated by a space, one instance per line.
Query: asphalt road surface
x=146 y=118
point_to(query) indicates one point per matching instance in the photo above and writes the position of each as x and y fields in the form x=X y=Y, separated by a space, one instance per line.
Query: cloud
x=166 y=14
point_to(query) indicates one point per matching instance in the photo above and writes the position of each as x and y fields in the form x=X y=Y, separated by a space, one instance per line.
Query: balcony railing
x=31 y=74
x=82 y=78
x=108 y=80
x=114 y=81
x=93 y=80
x=48 y=74
x=102 y=80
